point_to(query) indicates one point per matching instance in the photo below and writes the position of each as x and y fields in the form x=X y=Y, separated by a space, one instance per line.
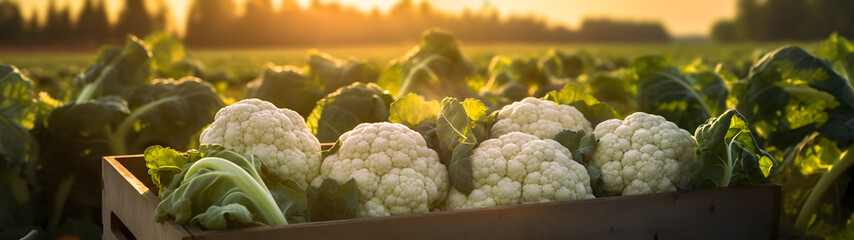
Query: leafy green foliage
x=615 y=91
x=790 y=94
x=16 y=111
x=582 y=145
x=574 y=95
x=164 y=163
x=342 y=110
x=72 y=140
x=664 y=90
x=453 y=131
x=840 y=52
x=286 y=87
x=335 y=73
x=436 y=68
x=556 y=64
x=729 y=155
x=169 y=58
x=224 y=189
x=457 y=141
x=333 y=201
x=830 y=207
x=170 y=112
x=117 y=72
x=413 y=111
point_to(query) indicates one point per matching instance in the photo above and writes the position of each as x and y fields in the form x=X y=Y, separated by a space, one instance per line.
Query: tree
x=134 y=19
x=211 y=22
x=11 y=22
x=724 y=31
x=92 y=24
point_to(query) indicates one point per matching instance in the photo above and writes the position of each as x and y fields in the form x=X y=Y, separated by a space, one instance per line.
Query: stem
x=727 y=176
x=118 y=137
x=59 y=202
x=89 y=90
x=824 y=183
x=254 y=188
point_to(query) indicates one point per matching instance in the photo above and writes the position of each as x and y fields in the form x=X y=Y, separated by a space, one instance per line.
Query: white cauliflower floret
x=642 y=154
x=395 y=171
x=538 y=117
x=279 y=137
x=520 y=168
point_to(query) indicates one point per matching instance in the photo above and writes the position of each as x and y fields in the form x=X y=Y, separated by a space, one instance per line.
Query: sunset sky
x=680 y=17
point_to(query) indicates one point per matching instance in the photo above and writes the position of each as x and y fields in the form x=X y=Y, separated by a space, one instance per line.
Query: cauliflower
x=520 y=168
x=278 y=136
x=538 y=117
x=395 y=171
x=642 y=154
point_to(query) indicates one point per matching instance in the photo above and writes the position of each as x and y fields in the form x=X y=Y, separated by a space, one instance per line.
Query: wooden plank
x=733 y=213
x=128 y=204
x=730 y=213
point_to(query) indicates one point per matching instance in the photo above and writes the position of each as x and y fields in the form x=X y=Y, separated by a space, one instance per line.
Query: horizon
x=678 y=18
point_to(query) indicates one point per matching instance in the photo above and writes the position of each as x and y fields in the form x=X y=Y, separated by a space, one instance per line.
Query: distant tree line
x=217 y=23
x=91 y=26
x=776 y=20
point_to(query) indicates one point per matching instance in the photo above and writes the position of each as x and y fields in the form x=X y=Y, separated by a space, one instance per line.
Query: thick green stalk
x=727 y=176
x=824 y=183
x=62 y=192
x=118 y=138
x=259 y=195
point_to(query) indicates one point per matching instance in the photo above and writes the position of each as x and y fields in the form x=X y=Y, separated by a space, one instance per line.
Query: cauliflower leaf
x=729 y=155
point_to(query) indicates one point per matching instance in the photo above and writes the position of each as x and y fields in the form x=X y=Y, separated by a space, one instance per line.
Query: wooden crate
x=129 y=200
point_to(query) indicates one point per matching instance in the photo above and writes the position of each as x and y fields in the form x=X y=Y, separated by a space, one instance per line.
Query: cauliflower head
x=395 y=171
x=520 y=168
x=642 y=154
x=538 y=117
x=278 y=136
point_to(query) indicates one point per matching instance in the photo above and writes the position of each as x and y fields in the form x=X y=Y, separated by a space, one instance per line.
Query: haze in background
x=680 y=17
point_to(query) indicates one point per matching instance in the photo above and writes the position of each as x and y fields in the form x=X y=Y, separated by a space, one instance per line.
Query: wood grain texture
x=751 y=212
x=127 y=201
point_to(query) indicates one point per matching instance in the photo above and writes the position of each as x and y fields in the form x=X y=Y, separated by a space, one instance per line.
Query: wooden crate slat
x=727 y=213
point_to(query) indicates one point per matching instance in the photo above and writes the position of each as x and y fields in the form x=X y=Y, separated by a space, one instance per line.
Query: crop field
x=54 y=71
x=232 y=137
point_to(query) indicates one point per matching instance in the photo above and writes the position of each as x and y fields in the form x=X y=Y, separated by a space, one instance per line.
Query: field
x=54 y=71
x=695 y=115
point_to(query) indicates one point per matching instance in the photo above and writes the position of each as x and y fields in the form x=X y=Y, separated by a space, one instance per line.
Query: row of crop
x=798 y=108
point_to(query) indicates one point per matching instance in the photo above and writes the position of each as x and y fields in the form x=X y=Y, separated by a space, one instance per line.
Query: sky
x=680 y=17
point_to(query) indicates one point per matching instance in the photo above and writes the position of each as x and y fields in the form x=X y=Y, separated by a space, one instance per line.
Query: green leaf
x=164 y=163
x=729 y=155
x=615 y=91
x=840 y=52
x=582 y=145
x=575 y=96
x=664 y=91
x=72 y=140
x=169 y=58
x=169 y=113
x=335 y=73
x=117 y=72
x=286 y=87
x=412 y=110
x=347 y=107
x=475 y=109
x=224 y=189
x=17 y=111
x=453 y=128
x=333 y=201
x=434 y=69
x=569 y=94
x=460 y=169
x=790 y=93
